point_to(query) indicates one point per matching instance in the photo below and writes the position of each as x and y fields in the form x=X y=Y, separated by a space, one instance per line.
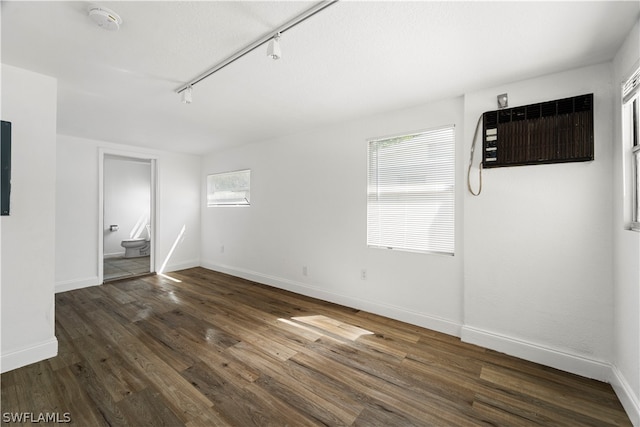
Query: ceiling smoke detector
x=105 y=18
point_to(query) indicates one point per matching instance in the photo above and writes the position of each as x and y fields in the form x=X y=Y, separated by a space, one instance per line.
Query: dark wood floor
x=213 y=350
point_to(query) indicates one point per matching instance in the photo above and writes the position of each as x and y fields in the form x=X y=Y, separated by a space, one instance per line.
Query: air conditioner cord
x=473 y=149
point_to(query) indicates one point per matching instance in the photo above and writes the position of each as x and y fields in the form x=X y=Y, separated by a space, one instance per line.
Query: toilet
x=137 y=247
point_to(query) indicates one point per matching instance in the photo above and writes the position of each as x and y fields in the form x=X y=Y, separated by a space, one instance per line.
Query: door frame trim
x=105 y=152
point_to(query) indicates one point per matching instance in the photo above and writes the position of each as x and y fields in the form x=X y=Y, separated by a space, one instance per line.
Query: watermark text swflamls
x=32 y=417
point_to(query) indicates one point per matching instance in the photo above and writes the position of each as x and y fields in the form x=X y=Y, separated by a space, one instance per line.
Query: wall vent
x=548 y=132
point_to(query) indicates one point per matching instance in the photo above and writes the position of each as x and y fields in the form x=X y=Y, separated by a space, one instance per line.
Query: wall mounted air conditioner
x=548 y=132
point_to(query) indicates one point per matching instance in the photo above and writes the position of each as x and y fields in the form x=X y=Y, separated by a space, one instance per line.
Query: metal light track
x=264 y=39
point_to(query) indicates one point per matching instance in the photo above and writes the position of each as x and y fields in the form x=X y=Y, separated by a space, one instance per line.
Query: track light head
x=187 y=95
x=273 y=49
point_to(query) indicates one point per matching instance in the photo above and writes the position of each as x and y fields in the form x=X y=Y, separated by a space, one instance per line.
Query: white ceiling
x=353 y=59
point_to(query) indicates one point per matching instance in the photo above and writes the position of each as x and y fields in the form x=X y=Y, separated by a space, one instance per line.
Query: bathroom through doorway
x=127 y=207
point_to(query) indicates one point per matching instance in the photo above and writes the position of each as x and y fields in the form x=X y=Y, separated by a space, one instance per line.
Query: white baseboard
x=181 y=266
x=630 y=402
x=415 y=318
x=532 y=352
x=70 y=285
x=114 y=255
x=25 y=356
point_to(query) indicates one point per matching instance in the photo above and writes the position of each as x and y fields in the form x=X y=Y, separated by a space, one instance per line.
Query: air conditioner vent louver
x=490 y=119
x=583 y=103
x=549 y=132
x=518 y=114
x=565 y=106
x=548 y=109
x=533 y=111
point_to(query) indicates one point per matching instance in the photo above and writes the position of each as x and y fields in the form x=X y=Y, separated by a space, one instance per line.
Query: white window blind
x=631 y=87
x=410 y=201
x=229 y=189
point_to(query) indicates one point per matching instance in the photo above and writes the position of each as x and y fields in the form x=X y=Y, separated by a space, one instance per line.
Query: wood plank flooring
x=205 y=349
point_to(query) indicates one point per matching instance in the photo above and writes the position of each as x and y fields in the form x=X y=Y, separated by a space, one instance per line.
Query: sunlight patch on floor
x=169 y=277
x=333 y=326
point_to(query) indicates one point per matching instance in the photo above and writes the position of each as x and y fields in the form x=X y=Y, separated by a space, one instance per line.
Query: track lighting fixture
x=273 y=49
x=187 y=95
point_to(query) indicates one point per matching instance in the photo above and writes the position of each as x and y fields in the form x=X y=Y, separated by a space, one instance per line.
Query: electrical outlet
x=305 y=271
x=363 y=274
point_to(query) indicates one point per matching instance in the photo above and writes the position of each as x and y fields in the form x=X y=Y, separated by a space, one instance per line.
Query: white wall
x=77 y=225
x=29 y=102
x=76 y=213
x=538 y=267
x=308 y=208
x=537 y=243
x=626 y=260
x=127 y=201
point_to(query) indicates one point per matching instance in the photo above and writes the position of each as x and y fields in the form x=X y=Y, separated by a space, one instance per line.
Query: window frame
x=631 y=142
x=241 y=192
x=435 y=192
x=635 y=216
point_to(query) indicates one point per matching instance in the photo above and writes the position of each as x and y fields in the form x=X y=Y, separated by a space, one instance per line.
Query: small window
x=229 y=189
x=631 y=135
x=410 y=196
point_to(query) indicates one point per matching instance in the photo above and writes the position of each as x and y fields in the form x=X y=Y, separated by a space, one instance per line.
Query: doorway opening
x=127 y=208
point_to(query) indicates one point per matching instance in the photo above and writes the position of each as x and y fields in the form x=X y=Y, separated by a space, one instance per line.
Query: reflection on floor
x=116 y=268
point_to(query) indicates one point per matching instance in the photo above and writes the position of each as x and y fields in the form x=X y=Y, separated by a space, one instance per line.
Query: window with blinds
x=631 y=140
x=410 y=195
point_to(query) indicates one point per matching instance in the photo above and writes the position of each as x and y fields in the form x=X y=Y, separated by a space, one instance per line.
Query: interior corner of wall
x=630 y=400
x=534 y=352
